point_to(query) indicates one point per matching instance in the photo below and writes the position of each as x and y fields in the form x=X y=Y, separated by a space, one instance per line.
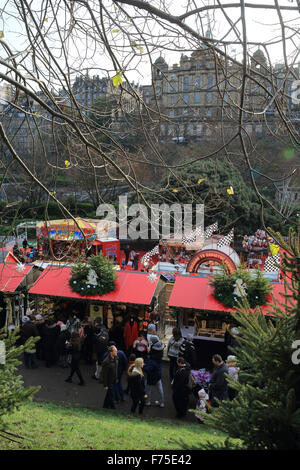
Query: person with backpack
x=173 y=350
x=101 y=342
x=187 y=350
x=152 y=369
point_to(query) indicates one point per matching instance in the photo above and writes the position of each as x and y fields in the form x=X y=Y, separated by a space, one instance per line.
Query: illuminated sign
x=210 y=256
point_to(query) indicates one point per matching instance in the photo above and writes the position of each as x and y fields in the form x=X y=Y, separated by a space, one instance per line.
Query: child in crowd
x=202 y=405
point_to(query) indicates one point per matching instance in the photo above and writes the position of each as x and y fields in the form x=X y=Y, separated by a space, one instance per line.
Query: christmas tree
x=266 y=412
x=12 y=392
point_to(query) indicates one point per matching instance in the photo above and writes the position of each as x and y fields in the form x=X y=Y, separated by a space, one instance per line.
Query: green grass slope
x=47 y=426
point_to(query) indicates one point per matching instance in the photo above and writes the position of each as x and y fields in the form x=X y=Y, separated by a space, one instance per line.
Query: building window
x=197 y=97
x=172 y=86
x=198 y=82
x=186 y=67
x=211 y=66
x=210 y=82
x=185 y=111
x=172 y=100
x=197 y=66
x=173 y=76
x=186 y=98
x=208 y=112
x=147 y=100
x=209 y=97
x=186 y=82
x=172 y=113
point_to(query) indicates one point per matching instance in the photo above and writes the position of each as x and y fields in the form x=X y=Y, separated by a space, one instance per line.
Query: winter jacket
x=122 y=362
x=188 y=352
x=28 y=330
x=218 y=381
x=173 y=346
x=181 y=380
x=153 y=371
x=136 y=384
x=109 y=370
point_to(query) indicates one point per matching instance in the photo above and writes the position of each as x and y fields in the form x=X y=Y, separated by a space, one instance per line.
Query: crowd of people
x=141 y=366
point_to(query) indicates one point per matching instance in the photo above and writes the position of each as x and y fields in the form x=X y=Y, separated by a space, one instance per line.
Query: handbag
x=192 y=382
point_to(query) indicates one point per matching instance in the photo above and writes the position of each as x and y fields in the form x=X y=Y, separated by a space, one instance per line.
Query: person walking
x=181 y=389
x=122 y=367
x=218 y=383
x=137 y=385
x=28 y=330
x=110 y=376
x=173 y=350
x=152 y=368
x=74 y=347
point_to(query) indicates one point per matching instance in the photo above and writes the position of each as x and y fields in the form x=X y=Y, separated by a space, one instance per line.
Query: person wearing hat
x=187 y=350
x=233 y=371
x=152 y=369
x=28 y=330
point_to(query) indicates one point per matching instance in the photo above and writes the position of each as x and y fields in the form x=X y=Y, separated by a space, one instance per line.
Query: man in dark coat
x=188 y=351
x=28 y=330
x=218 y=383
x=100 y=338
x=122 y=367
x=110 y=376
x=51 y=332
x=181 y=388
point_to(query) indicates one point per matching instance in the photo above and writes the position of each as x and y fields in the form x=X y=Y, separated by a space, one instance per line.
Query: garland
x=256 y=289
x=97 y=277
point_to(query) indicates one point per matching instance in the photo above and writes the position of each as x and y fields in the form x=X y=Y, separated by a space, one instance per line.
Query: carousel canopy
x=10 y=277
x=196 y=293
x=131 y=287
x=69 y=230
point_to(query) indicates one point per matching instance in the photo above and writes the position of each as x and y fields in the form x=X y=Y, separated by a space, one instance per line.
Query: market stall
x=200 y=314
x=133 y=294
x=15 y=280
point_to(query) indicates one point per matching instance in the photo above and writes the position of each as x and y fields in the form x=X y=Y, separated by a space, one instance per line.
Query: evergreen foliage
x=266 y=412
x=12 y=392
x=104 y=270
x=256 y=288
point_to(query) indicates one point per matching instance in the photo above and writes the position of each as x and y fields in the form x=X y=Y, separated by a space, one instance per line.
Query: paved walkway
x=55 y=389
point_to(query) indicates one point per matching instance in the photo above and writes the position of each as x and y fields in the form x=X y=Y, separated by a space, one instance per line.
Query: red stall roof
x=196 y=293
x=10 y=277
x=133 y=288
